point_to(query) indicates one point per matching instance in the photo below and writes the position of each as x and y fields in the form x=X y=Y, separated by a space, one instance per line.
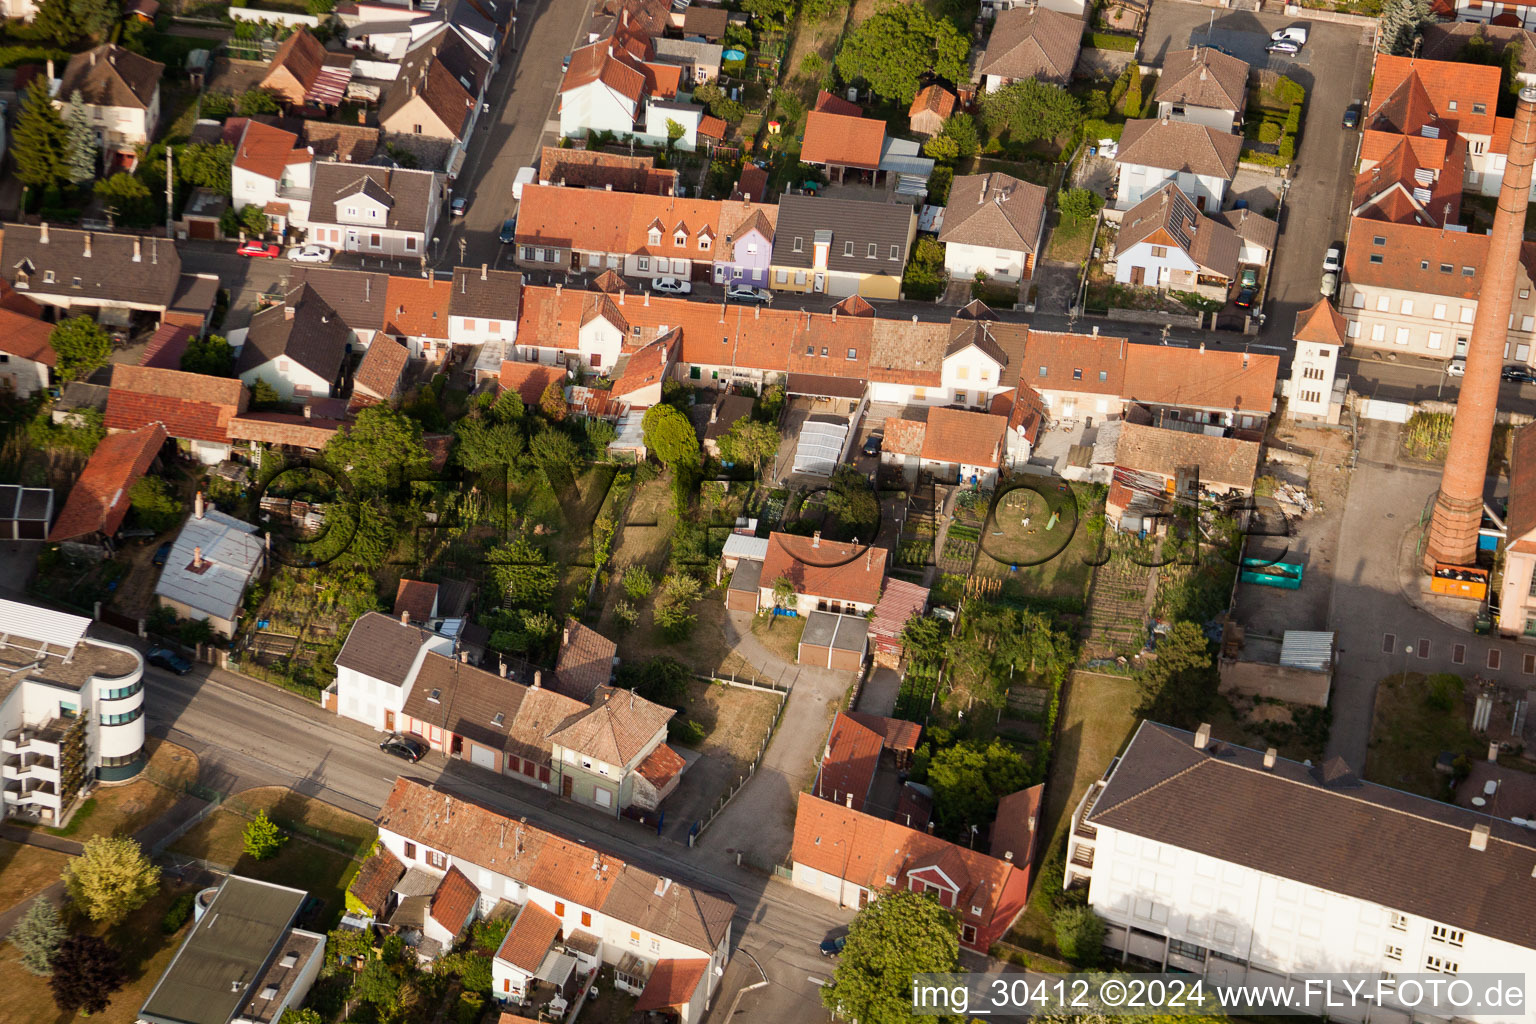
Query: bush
x=1289 y=92
x=1293 y=119
x=180 y=913
x=1080 y=935
x=1269 y=132
x=685 y=732
x=470 y=1005
x=638 y=582
x=1444 y=691
x=154 y=504
x=262 y=837
x=1080 y=204
x=1109 y=41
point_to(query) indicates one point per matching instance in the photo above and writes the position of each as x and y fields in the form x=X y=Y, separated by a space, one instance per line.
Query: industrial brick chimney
x=1459 y=505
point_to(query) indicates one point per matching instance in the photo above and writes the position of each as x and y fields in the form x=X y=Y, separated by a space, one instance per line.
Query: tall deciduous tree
x=211 y=356
x=379 y=447
x=482 y=442
x=126 y=198
x=86 y=971
x=552 y=401
x=81 y=345
x=897 y=936
x=110 y=879
x=82 y=140
x=670 y=436
x=749 y=441
x=1030 y=109
x=1179 y=683
x=206 y=164
x=40 y=143
x=38 y=935
x=896 y=47
x=523 y=573
x=968 y=779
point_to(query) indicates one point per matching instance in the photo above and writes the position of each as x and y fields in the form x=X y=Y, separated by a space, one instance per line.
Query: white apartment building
x=1319 y=335
x=1238 y=865
x=71 y=711
x=377 y=665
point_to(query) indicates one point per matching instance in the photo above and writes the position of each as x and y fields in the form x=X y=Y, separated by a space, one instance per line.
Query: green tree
x=783 y=592
x=264 y=395
x=154 y=504
x=40 y=143
x=381 y=444
x=893 y=49
x=110 y=879
x=303 y=1016
x=775 y=10
x=258 y=101
x=211 y=356
x=554 y=450
x=86 y=971
x=854 y=504
x=552 y=401
x=81 y=139
x=925 y=640
x=81 y=345
x=378 y=984
x=968 y=779
x=941 y=148
x=961 y=129
x=1080 y=204
x=1079 y=935
x=262 y=838
x=1030 y=109
x=749 y=442
x=661 y=679
x=482 y=442
x=1179 y=683
x=206 y=164
x=253 y=220
x=38 y=935
x=670 y=436
x=899 y=935
x=675 y=131
x=523 y=573
x=638 y=582
x=126 y=198
x=1401 y=23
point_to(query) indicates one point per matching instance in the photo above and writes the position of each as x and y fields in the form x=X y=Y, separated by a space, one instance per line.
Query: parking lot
x=1335 y=68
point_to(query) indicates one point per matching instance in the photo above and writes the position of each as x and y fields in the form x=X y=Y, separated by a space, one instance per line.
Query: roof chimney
x=50 y=69
x=42 y=233
x=1202 y=346
x=138 y=249
x=1269 y=759
x=1479 y=838
x=405 y=617
x=464 y=657
x=538 y=680
x=287 y=312
x=1008 y=856
x=565 y=634
x=482 y=272
x=197 y=505
x=502 y=668
x=1203 y=736
x=197 y=558
x=849 y=801
x=1095 y=330
x=87 y=245
x=816 y=539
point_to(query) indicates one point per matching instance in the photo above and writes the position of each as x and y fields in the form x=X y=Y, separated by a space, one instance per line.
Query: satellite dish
x=1478 y=801
x=1490 y=787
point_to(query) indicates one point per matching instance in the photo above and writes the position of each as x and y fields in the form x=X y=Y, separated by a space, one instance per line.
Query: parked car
x=1250 y=278
x=525 y=176
x=874 y=444
x=671 y=286
x=1329 y=285
x=162 y=553
x=270 y=250
x=834 y=946
x=310 y=254
x=1352 y=116
x=565 y=65
x=460 y=205
x=1291 y=34
x=508 y=230
x=1456 y=367
x=1333 y=260
x=403 y=747
x=169 y=660
x=1519 y=375
x=1245 y=298
x=1283 y=46
x=746 y=293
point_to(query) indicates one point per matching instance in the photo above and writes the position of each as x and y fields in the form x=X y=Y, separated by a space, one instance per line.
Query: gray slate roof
x=847 y=220
x=232 y=554
x=486 y=294
x=109 y=275
x=382 y=648
x=315 y=336
x=358 y=295
x=411 y=193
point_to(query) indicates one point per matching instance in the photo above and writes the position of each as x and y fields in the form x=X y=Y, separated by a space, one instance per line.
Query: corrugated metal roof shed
x=231 y=553
x=1307 y=649
x=820 y=446
x=739 y=545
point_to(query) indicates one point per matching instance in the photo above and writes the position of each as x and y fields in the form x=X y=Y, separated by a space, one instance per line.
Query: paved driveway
x=1335 y=68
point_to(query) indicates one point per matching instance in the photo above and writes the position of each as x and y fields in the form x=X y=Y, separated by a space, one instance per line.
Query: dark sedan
x=169 y=660
x=873 y=444
x=832 y=947
x=1519 y=375
x=403 y=747
x=1245 y=298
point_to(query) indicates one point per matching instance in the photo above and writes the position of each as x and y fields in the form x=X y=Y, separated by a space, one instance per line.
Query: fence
x=742 y=684
x=741 y=780
x=274 y=17
x=357 y=849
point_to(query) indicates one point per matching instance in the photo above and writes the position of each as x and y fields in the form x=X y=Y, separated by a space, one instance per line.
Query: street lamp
x=1407 y=653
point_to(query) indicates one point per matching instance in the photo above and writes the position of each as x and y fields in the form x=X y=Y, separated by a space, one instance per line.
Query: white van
x=525 y=176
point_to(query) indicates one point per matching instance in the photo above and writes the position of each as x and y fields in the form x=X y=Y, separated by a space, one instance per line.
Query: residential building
x=98 y=500
x=849 y=761
x=212 y=563
x=1165 y=243
x=726 y=411
x=843 y=143
x=292 y=433
x=1015 y=833
x=304 y=74
x=121 y=93
x=588 y=168
x=603 y=89
x=963 y=447
x=600 y=751
x=437 y=99
x=1183 y=388
x=1257 y=235
x=26 y=353
x=1493 y=13
x=930 y=108
x=416 y=315
x=699 y=60
x=706 y=22
x=586 y=661
x=993 y=225
x=1410 y=179
x=359 y=296
x=641 y=236
x=653 y=930
x=299 y=347
x=835 y=641
x=1154 y=465
x=1025 y=410
x=827 y=575
x=1201 y=160
x=841 y=246
x=1439 y=99
x=274 y=171
x=850 y=857
x=71 y=712
x=376 y=667
x=745 y=253
x=1314 y=390
x=374 y=210
x=1203 y=86
x=484 y=306
x=1517 y=592
x=79 y=271
x=1250 y=898
x=1076 y=375
x=1445 y=41
x=377 y=378
x=244 y=962
x=835 y=104
x=194 y=408
x=1029 y=42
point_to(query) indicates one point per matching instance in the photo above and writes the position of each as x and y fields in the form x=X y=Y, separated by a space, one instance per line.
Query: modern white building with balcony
x=71 y=711
x=1246 y=868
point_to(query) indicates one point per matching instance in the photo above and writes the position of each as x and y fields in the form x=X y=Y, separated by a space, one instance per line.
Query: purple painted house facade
x=747 y=249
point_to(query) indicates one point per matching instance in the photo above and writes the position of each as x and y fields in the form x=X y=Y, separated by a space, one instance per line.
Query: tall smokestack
x=1459 y=505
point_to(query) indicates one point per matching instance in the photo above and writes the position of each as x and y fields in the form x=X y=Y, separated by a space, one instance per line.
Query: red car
x=269 y=249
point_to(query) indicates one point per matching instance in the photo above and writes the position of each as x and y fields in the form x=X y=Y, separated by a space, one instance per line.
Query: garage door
x=485 y=757
x=207 y=230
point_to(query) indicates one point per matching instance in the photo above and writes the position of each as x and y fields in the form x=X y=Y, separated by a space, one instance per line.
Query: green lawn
x=1053 y=562
x=1071 y=239
x=1407 y=734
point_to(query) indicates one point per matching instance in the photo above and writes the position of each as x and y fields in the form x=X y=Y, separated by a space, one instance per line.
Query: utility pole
x=170 y=205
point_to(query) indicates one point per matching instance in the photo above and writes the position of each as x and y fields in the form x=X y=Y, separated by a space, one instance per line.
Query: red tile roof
x=166 y=347
x=376 y=879
x=193 y=406
x=935 y=99
x=265 y=150
x=647 y=366
x=832 y=104
x=382 y=367
x=663 y=80
x=753 y=184
x=895 y=733
x=585 y=661
x=827 y=568
x=1208 y=379
x=1320 y=323
x=960 y=436
x=1405 y=250
x=529 y=379
x=99 y=500
x=529 y=938
x=841 y=139
x=672 y=983
x=26 y=337
x=618 y=70
x=1444 y=83
x=711 y=128
x=1073 y=362
x=1018 y=820
x=454 y=900
x=848 y=767
x=417 y=597
x=904 y=437
x=417 y=307
x=661 y=766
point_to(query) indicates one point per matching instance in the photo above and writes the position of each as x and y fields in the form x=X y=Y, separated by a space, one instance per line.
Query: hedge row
x=1109 y=41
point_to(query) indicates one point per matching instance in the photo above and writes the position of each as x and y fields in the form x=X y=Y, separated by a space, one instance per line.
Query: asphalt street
x=247 y=734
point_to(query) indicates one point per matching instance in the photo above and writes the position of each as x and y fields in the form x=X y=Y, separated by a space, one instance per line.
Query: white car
x=1333 y=260
x=746 y=293
x=1456 y=367
x=671 y=286
x=1293 y=34
x=310 y=254
x=1330 y=285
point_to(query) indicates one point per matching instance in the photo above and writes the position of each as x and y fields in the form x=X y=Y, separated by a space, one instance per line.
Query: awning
x=556 y=969
x=816 y=385
x=330 y=86
x=820 y=447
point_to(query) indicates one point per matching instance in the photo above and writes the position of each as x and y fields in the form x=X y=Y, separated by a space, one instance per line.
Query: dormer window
x=847 y=248
x=48 y=277
x=435 y=697
x=704 y=243
x=653 y=236
x=680 y=239
x=76 y=282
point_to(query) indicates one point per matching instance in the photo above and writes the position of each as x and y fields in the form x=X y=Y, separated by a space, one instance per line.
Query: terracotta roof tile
x=906 y=353
x=647 y=366
x=895 y=733
x=934 y=99
x=1018 y=821
x=417 y=308
x=1074 y=362
x=661 y=766
x=1522 y=485
x=843 y=140
x=903 y=437
x=1321 y=323
x=616 y=728
x=375 y=879
x=899 y=604
x=831 y=103
x=528 y=940
x=166 y=347
x=1443 y=83
x=1226 y=461
x=961 y=436
x=265 y=150
x=586 y=168
x=529 y=380
x=192 y=406
x=585 y=661
x=454 y=900
x=827 y=568
x=1165 y=375
x=1180 y=146
x=301 y=55
x=672 y=984
x=849 y=764
x=1411 y=257
x=98 y=502
x=282 y=428
x=381 y=369
x=26 y=337
x=417 y=597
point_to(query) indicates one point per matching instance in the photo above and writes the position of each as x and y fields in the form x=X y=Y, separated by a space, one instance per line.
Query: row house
x=299 y=347
x=668 y=942
x=1409 y=179
x=375 y=211
x=993 y=225
x=850 y=858
x=617 y=172
x=477 y=306
x=432 y=108
x=274 y=171
x=1170 y=852
x=1413 y=289
x=194 y=408
x=1156 y=465
x=609 y=87
x=842 y=246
